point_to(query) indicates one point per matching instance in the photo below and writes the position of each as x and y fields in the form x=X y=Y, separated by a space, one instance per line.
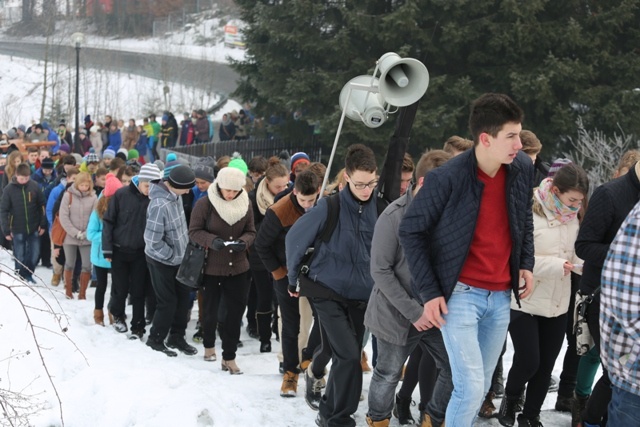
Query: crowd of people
x=485 y=242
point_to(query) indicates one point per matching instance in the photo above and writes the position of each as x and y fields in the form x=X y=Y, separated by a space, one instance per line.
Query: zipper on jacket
x=26 y=214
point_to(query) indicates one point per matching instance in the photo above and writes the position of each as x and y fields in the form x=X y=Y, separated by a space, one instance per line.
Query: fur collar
x=231 y=211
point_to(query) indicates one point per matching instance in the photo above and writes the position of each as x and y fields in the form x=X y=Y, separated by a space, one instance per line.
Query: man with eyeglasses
x=339 y=282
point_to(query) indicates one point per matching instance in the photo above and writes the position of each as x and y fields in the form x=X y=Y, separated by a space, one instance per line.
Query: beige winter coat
x=554 y=245
x=75 y=217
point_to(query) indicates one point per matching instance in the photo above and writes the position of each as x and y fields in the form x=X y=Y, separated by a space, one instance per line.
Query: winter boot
x=178 y=342
x=230 y=365
x=364 y=362
x=120 y=324
x=98 y=317
x=264 y=330
x=381 y=423
x=313 y=389
x=529 y=422
x=563 y=403
x=55 y=279
x=158 y=345
x=577 y=406
x=210 y=354
x=68 y=283
x=85 y=278
x=488 y=409
x=402 y=410
x=507 y=414
x=289 y=384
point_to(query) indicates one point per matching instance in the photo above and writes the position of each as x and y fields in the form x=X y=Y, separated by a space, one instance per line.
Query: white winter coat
x=554 y=244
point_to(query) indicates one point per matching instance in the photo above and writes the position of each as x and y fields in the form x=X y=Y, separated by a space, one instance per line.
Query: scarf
x=264 y=198
x=231 y=211
x=553 y=204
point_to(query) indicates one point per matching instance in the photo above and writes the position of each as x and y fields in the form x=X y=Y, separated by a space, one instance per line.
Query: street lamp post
x=77 y=40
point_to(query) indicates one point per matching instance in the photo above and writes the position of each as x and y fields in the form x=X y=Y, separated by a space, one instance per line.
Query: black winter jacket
x=124 y=221
x=608 y=207
x=254 y=259
x=438 y=228
x=22 y=208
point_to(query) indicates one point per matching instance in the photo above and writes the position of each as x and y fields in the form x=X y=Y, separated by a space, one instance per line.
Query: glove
x=237 y=246
x=217 y=244
x=81 y=235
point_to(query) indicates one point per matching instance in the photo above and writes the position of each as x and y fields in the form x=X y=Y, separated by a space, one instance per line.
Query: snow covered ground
x=104 y=379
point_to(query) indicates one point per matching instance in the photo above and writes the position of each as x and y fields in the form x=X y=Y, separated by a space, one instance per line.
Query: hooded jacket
x=22 y=208
x=165 y=233
x=94 y=235
x=75 y=212
x=342 y=263
x=124 y=221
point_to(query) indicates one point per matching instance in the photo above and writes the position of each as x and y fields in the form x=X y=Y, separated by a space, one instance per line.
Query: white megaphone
x=403 y=81
x=360 y=100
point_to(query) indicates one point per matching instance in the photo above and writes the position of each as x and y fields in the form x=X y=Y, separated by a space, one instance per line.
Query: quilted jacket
x=437 y=230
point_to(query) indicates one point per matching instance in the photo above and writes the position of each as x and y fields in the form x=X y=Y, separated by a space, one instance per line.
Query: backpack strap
x=333 y=215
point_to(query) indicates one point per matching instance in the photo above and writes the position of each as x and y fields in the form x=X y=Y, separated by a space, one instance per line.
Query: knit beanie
x=149 y=172
x=133 y=154
x=108 y=154
x=47 y=163
x=557 y=165
x=123 y=151
x=112 y=184
x=170 y=166
x=171 y=157
x=121 y=155
x=78 y=158
x=297 y=158
x=181 y=177
x=65 y=148
x=204 y=169
x=160 y=164
x=231 y=179
x=240 y=165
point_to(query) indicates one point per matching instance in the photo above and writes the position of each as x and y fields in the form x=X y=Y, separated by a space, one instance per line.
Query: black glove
x=217 y=244
x=237 y=246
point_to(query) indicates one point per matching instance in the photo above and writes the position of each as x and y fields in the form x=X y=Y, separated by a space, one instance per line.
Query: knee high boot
x=85 y=278
x=68 y=283
x=263 y=320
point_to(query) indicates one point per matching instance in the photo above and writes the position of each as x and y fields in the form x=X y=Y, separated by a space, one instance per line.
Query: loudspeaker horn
x=402 y=81
x=363 y=104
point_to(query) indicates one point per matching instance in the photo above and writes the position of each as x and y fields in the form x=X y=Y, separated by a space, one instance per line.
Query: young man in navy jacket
x=469 y=243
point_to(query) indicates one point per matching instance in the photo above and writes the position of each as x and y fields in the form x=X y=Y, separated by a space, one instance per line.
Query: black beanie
x=182 y=178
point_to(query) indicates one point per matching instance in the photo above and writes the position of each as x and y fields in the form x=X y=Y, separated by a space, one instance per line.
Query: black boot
x=563 y=403
x=120 y=325
x=577 y=406
x=178 y=342
x=264 y=331
x=507 y=413
x=402 y=410
x=158 y=345
x=529 y=422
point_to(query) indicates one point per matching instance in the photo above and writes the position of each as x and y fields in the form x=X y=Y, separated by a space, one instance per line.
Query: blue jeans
x=475 y=330
x=26 y=249
x=624 y=408
x=388 y=370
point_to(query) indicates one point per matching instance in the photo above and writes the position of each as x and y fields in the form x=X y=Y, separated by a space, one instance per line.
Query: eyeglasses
x=360 y=186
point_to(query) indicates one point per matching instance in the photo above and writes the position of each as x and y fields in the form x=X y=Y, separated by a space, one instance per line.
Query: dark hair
x=126 y=170
x=69 y=160
x=431 y=160
x=360 y=157
x=116 y=164
x=307 y=183
x=32 y=150
x=457 y=143
x=491 y=112
x=258 y=164
x=571 y=177
x=101 y=171
x=23 y=169
x=275 y=171
x=73 y=171
x=407 y=163
x=319 y=169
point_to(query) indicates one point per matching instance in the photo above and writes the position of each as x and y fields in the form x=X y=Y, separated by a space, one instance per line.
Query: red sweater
x=487 y=264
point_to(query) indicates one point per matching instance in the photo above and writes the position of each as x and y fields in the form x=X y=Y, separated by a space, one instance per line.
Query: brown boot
x=98 y=317
x=85 y=278
x=381 y=423
x=68 y=283
x=488 y=409
x=55 y=279
x=364 y=362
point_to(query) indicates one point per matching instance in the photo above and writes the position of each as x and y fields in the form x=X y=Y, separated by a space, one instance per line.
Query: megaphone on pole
x=403 y=81
x=359 y=103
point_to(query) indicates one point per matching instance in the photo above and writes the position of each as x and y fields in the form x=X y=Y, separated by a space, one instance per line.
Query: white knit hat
x=149 y=172
x=231 y=179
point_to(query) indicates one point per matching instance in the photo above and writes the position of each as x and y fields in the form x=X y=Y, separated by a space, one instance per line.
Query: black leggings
x=420 y=368
x=596 y=409
x=537 y=342
x=102 y=275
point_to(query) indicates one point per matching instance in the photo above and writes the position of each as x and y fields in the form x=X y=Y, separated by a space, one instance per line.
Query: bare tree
x=598 y=153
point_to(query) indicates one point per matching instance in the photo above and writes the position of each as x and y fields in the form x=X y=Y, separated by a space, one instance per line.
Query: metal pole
x=335 y=144
x=77 y=124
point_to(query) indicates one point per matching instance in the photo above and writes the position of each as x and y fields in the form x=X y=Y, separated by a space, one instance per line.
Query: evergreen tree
x=558 y=60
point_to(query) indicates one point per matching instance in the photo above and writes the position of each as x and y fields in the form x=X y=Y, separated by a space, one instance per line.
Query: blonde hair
x=338 y=181
x=10 y=168
x=83 y=178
